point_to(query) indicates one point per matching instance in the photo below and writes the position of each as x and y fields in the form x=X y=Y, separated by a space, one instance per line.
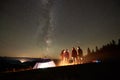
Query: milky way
x=45 y=28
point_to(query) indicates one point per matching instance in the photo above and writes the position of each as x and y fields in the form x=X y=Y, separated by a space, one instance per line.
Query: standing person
x=62 y=54
x=74 y=55
x=80 y=53
x=67 y=55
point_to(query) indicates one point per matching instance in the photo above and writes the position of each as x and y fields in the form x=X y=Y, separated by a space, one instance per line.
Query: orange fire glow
x=64 y=63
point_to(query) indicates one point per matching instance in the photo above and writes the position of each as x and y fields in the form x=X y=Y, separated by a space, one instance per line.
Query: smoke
x=45 y=26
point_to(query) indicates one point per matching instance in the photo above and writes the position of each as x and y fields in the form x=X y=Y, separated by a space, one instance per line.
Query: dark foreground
x=90 y=71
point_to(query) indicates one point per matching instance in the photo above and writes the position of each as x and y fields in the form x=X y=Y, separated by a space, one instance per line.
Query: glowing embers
x=65 y=63
x=44 y=65
x=71 y=62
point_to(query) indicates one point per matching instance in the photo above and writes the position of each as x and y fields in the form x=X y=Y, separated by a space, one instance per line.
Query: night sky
x=36 y=28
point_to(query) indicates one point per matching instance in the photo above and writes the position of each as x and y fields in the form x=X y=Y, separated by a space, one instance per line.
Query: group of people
x=75 y=55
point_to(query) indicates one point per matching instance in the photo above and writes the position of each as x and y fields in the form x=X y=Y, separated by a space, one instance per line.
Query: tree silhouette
x=119 y=42
x=109 y=51
x=88 y=51
x=96 y=49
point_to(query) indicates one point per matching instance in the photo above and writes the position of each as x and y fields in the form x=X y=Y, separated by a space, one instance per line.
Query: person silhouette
x=79 y=53
x=67 y=55
x=62 y=54
x=74 y=55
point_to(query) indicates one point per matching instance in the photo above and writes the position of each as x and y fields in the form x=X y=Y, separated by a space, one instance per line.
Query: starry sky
x=36 y=28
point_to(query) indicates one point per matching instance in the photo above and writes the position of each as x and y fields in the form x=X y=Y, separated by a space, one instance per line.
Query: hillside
x=96 y=71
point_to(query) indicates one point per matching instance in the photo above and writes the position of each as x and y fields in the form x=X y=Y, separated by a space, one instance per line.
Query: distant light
x=23 y=60
x=96 y=61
